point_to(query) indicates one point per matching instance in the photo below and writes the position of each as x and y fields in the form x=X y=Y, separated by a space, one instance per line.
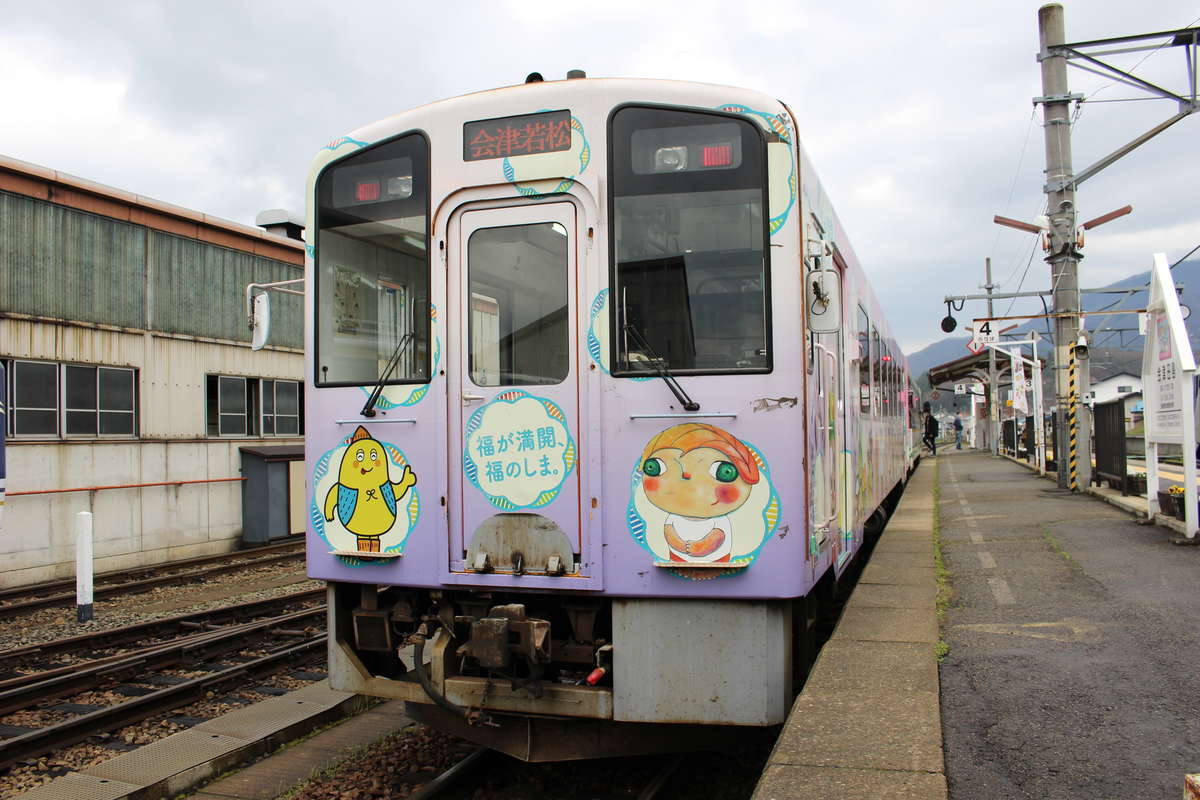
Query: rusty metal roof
x=21 y=177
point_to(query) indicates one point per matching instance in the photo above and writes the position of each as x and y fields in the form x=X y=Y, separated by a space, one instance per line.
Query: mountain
x=1111 y=350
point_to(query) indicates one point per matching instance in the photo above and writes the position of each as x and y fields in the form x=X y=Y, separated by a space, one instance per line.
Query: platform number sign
x=986 y=331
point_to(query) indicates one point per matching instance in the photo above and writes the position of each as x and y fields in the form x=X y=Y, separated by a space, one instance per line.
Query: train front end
x=556 y=439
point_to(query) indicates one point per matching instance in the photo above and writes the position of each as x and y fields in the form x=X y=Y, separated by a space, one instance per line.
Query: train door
x=829 y=489
x=514 y=396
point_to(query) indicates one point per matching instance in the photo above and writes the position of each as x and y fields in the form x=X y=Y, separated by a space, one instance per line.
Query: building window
x=240 y=406
x=98 y=401
x=1124 y=389
x=50 y=399
x=281 y=408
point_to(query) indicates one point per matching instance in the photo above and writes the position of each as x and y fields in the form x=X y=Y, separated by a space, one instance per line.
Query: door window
x=518 y=305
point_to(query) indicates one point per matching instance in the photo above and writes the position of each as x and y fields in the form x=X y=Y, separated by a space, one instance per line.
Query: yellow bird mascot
x=364 y=497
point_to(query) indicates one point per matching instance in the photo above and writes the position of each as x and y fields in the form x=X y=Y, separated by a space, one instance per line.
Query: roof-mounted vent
x=534 y=77
x=281 y=222
x=575 y=74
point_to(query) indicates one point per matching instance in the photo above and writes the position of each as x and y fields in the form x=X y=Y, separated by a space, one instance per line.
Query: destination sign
x=524 y=135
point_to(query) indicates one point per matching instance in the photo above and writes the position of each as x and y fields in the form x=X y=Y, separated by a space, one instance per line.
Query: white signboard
x=1167 y=363
x=986 y=331
x=960 y=388
x=1168 y=368
x=1020 y=402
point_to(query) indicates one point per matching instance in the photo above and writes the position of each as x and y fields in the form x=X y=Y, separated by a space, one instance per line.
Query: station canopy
x=969 y=367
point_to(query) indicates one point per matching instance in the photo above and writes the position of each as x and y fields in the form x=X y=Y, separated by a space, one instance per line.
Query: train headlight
x=400 y=188
x=670 y=159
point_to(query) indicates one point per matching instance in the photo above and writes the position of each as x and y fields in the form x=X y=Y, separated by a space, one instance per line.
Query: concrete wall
x=133 y=526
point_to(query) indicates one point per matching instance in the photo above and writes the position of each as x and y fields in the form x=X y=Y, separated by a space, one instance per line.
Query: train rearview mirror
x=823 y=299
x=260 y=320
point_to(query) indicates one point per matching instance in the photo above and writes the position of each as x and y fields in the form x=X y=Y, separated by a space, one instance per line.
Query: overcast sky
x=916 y=114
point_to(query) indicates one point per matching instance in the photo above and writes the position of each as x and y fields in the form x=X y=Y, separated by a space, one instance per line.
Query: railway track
x=154 y=629
x=225 y=656
x=21 y=599
x=470 y=771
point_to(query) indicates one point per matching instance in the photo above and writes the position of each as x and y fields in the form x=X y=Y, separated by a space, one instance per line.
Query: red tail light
x=718 y=155
x=366 y=191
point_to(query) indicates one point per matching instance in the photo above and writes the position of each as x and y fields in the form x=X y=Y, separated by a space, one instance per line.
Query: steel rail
x=135 y=587
x=25 y=691
x=136 y=709
x=112 y=575
x=445 y=780
x=115 y=637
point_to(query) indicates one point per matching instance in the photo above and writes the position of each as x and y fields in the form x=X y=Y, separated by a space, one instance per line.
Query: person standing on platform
x=957 y=432
x=931 y=431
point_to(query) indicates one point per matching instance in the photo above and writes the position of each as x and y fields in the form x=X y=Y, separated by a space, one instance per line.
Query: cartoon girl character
x=699 y=475
x=365 y=498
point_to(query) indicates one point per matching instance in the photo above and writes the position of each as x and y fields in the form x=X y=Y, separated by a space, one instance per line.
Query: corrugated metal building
x=127 y=356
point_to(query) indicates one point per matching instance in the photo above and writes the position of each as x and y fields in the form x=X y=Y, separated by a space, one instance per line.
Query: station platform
x=867 y=722
x=1067 y=640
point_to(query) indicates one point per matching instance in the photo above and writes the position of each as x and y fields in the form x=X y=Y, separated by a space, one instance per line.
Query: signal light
x=717 y=155
x=366 y=191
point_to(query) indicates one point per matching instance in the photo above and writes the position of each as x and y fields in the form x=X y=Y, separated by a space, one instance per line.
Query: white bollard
x=83 y=566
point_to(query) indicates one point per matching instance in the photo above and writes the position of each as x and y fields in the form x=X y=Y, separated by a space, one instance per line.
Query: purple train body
x=579 y=462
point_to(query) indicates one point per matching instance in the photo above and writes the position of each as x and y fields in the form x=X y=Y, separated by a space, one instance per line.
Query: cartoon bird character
x=365 y=498
x=699 y=475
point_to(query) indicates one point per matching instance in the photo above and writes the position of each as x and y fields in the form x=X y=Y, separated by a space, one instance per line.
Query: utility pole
x=993 y=379
x=1060 y=203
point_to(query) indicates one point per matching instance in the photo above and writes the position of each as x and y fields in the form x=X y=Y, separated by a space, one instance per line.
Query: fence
x=1108 y=420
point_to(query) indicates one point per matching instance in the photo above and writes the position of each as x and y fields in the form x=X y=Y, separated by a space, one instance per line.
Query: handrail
x=122 y=486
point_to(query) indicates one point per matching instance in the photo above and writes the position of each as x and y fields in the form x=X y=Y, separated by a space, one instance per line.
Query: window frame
x=863 y=356
x=60 y=398
x=275 y=415
x=504 y=303
x=876 y=373
x=254 y=390
x=611 y=205
x=316 y=245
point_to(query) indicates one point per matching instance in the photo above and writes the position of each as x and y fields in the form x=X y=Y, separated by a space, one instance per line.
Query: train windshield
x=372 y=297
x=690 y=266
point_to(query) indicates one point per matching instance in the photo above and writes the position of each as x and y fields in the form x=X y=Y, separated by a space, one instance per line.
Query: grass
x=1056 y=547
x=944 y=589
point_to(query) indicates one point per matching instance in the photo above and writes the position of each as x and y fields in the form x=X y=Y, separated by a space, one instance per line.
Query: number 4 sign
x=986 y=332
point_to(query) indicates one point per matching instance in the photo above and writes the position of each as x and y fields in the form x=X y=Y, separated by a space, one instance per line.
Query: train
x=601 y=407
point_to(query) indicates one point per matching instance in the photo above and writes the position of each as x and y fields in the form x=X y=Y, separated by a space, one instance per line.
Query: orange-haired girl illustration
x=699 y=475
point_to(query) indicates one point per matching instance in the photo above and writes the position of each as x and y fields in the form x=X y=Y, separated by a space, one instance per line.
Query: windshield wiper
x=368 y=410
x=660 y=365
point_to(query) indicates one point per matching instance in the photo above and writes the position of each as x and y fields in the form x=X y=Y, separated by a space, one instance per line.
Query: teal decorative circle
x=637 y=524
x=781 y=126
x=471 y=469
x=413 y=508
x=585 y=158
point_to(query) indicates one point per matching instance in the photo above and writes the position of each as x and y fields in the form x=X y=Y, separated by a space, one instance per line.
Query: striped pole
x=1074 y=424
